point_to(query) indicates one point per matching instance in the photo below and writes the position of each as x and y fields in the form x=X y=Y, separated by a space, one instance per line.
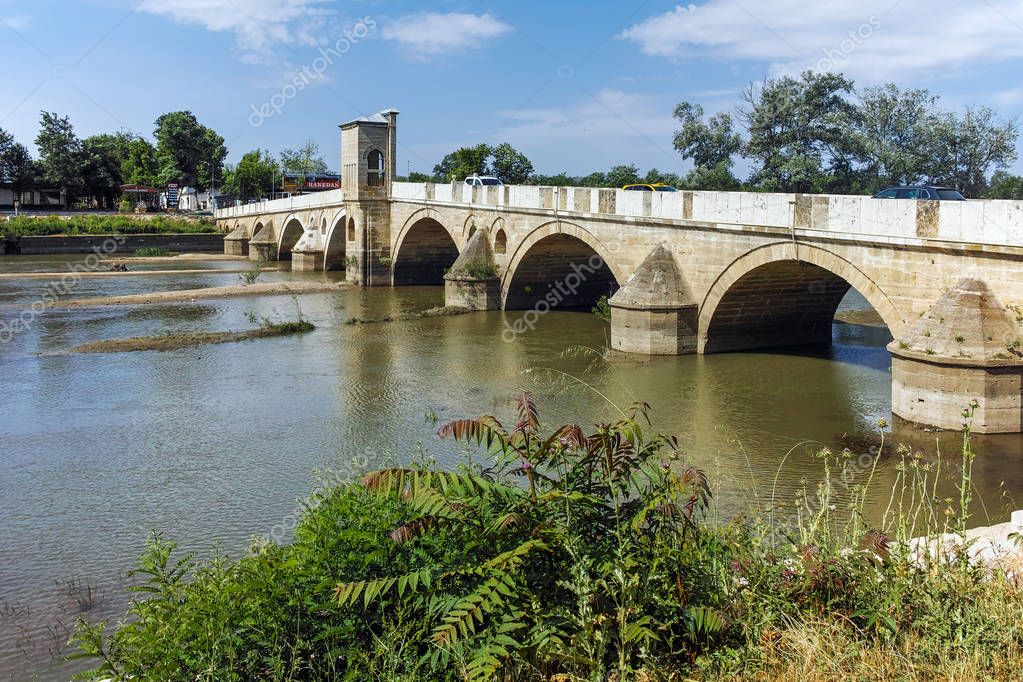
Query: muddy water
x=214 y=445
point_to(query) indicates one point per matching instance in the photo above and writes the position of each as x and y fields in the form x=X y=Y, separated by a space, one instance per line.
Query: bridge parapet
x=991 y=222
x=295 y=203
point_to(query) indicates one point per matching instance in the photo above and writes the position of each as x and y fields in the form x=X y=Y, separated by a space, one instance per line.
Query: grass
x=166 y=342
x=151 y=252
x=576 y=556
x=91 y=224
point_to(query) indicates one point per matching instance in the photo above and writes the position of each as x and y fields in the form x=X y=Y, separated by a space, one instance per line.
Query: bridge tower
x=368 y=151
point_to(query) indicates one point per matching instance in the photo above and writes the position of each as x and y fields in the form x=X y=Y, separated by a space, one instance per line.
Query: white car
x=483 y=181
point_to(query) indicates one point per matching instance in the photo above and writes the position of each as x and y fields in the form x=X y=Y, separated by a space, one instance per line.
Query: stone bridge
x=686 y=272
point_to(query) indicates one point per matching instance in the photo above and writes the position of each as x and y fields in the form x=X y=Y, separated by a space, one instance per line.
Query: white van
x=483 y=181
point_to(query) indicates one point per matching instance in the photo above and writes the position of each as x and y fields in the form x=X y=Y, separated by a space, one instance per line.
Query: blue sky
x=577 y=85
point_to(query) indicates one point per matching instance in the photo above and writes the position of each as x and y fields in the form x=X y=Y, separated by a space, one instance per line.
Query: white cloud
x=870 y=40
x=16 y=22
x=260 y=27
x=432 y=33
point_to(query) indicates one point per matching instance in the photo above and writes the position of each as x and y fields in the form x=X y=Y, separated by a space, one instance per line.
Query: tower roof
x=379 y=118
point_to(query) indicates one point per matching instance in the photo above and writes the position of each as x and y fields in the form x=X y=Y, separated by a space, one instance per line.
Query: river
x=215 y=445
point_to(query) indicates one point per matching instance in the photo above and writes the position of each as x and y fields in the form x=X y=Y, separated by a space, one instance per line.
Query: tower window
x=375 y=169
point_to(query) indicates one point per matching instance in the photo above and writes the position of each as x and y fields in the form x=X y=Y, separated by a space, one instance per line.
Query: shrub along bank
x=574 y=556
x=91 y=224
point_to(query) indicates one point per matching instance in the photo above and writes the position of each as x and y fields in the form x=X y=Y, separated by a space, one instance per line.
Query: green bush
x=575 y=556
x=477 y=269
x=31 y=226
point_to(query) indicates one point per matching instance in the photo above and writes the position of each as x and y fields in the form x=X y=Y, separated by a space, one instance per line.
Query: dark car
x=921 y=192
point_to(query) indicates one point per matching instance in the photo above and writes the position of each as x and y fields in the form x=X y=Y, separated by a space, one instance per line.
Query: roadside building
x=35 y=199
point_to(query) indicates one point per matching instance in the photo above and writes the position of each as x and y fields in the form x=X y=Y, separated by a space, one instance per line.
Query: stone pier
x=654 y=313
x=473 y=282
x=963 y=352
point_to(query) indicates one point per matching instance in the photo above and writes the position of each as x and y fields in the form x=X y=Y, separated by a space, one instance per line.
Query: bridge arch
x=256 y=229
x=560 y=253
x=783 y=294
x=335 y=242
x=289 y=236
x=424 y=250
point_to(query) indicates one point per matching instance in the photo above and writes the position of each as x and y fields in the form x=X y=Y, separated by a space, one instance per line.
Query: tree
x=18 y=168
x=187 y=151
x=596 y=179
x=622 y=175
x=709 y=143
x=1005 y=186
x=464 y=162
x=16 y=165
x=416 y=176
x=560 y=180
x=305 y=160
x=102 y=159
x=60 y=152
x=893 y=135
x=140 y=165
x=253 y=176
x=655 y=177
x=799 y=132
x=719 y=179
x=511 y=166
x=965 y=149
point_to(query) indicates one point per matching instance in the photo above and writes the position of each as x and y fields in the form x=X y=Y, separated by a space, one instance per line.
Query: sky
x=576 y=85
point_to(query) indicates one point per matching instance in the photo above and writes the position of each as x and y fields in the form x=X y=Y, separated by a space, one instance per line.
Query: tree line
x=812 y=133
x=91 y=171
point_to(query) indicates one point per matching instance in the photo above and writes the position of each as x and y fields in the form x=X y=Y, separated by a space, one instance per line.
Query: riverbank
x=56 y=275
x=111 y=243
x=579 y=555
x=258 y=289
x=864 y=317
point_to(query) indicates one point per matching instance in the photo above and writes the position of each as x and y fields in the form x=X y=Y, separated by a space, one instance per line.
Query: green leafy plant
x=251 y=276
x=557 y=572
x=478 y=269
x=602 y=309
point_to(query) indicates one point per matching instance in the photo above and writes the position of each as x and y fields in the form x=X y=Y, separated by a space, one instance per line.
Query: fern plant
x=575 y=550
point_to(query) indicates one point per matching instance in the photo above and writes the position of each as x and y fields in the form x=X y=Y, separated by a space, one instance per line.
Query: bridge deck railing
x=895 y=220
x=294 y=203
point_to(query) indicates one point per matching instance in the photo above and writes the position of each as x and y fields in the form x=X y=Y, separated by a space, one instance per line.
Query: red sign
x=323 y=184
